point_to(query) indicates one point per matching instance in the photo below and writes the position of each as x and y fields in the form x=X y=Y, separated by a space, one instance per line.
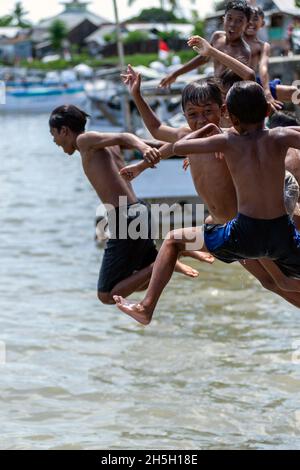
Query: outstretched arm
x=158 y=130
x=100 y=140
x=202 y=47
x=129 y=172
x=265 y=78
x=214 y=144
x=191 y=65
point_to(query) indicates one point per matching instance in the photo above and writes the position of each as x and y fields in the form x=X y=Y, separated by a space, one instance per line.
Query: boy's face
x=64 y=138
x=256 y=22
x=198 y=116
x=235 y=23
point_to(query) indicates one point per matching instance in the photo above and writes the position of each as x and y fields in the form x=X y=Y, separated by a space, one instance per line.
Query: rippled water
x=217 y=368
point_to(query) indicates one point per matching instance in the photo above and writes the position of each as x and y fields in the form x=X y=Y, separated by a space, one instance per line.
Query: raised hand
x=132 y=80
x=200 y=45
x=167 y=81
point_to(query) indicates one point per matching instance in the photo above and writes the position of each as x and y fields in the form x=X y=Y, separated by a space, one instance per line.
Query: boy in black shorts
x=128 y=258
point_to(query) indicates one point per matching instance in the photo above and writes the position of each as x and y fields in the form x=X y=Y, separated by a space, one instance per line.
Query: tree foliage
x=157 y=15
x=58 y=32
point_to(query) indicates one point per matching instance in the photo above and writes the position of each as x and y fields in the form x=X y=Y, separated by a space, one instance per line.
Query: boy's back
x=256 y=162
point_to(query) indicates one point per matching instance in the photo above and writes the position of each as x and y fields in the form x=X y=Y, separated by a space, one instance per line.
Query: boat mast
x=125 y=101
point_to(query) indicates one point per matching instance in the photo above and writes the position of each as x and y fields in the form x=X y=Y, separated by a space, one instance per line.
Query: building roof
x=184 y=29
x=97 y=36
x=287 y=6
x=75 y=12
x=10 y=31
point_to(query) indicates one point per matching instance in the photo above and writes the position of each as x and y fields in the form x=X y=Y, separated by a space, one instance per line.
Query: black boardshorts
x=124 y=255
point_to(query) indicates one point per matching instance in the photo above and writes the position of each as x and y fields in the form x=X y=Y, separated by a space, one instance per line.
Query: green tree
x=58 y=32
x=156 y=15
x=199 y=29
x=220 y=4
x=18 y=15
x=6 y=20
x=297 y=3
x=136 y=36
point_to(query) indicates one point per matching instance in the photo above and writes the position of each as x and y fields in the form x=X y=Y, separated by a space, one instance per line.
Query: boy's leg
x=283 y=282
x=177 y=242
x=284 y=93
x=255 y=268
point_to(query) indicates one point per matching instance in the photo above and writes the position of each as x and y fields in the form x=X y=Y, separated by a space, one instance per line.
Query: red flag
x=163 y=50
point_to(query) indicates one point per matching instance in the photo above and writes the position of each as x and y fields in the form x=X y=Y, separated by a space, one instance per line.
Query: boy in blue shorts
x=262 y=229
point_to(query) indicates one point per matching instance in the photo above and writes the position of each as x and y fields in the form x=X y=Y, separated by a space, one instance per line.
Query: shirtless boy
x=260 y=53
x=230 y=41
x=256 y=160
x=127 y=263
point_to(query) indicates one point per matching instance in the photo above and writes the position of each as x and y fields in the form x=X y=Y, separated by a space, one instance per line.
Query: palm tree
x=58 y=32
x=18 y=15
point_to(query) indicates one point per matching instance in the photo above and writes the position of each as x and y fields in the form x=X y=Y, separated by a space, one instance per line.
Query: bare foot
x=202 y=256
x=186 y=270
x=137 y=311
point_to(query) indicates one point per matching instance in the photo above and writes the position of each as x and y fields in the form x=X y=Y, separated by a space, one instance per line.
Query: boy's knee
x=173 y=239
x=269 y=284
x=105 y=298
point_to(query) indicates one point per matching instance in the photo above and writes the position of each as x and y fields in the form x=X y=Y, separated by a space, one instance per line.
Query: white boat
x=42 y=98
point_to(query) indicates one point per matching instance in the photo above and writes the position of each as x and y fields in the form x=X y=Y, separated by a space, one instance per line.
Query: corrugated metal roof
x=287 y=6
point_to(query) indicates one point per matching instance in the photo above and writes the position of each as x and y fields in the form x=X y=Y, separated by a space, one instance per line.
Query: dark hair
x=258 y=11
x=239 y=5
x=70 y=116
x=246 y=100
x=199 y=92
x=228 y=78
x=281 y=119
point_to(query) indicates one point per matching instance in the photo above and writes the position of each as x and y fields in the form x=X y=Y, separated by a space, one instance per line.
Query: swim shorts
x=272 y=85
x=123 y=254
x=248 y=238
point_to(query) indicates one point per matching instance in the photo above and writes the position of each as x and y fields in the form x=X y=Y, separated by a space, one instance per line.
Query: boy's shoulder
x=217 y=35
x=87 y=139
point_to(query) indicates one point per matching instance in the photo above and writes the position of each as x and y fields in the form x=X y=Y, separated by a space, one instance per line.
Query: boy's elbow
x=251 y=76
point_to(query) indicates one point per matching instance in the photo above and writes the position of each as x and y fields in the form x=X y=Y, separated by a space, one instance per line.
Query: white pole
x=125 y=104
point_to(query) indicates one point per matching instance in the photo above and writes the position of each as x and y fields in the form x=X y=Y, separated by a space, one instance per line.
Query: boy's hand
x=130 y=172
x=167 y=81
x=186 y=163
x=200 y=45
x=151 y=156
x=275 y=104
x=133 y=80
